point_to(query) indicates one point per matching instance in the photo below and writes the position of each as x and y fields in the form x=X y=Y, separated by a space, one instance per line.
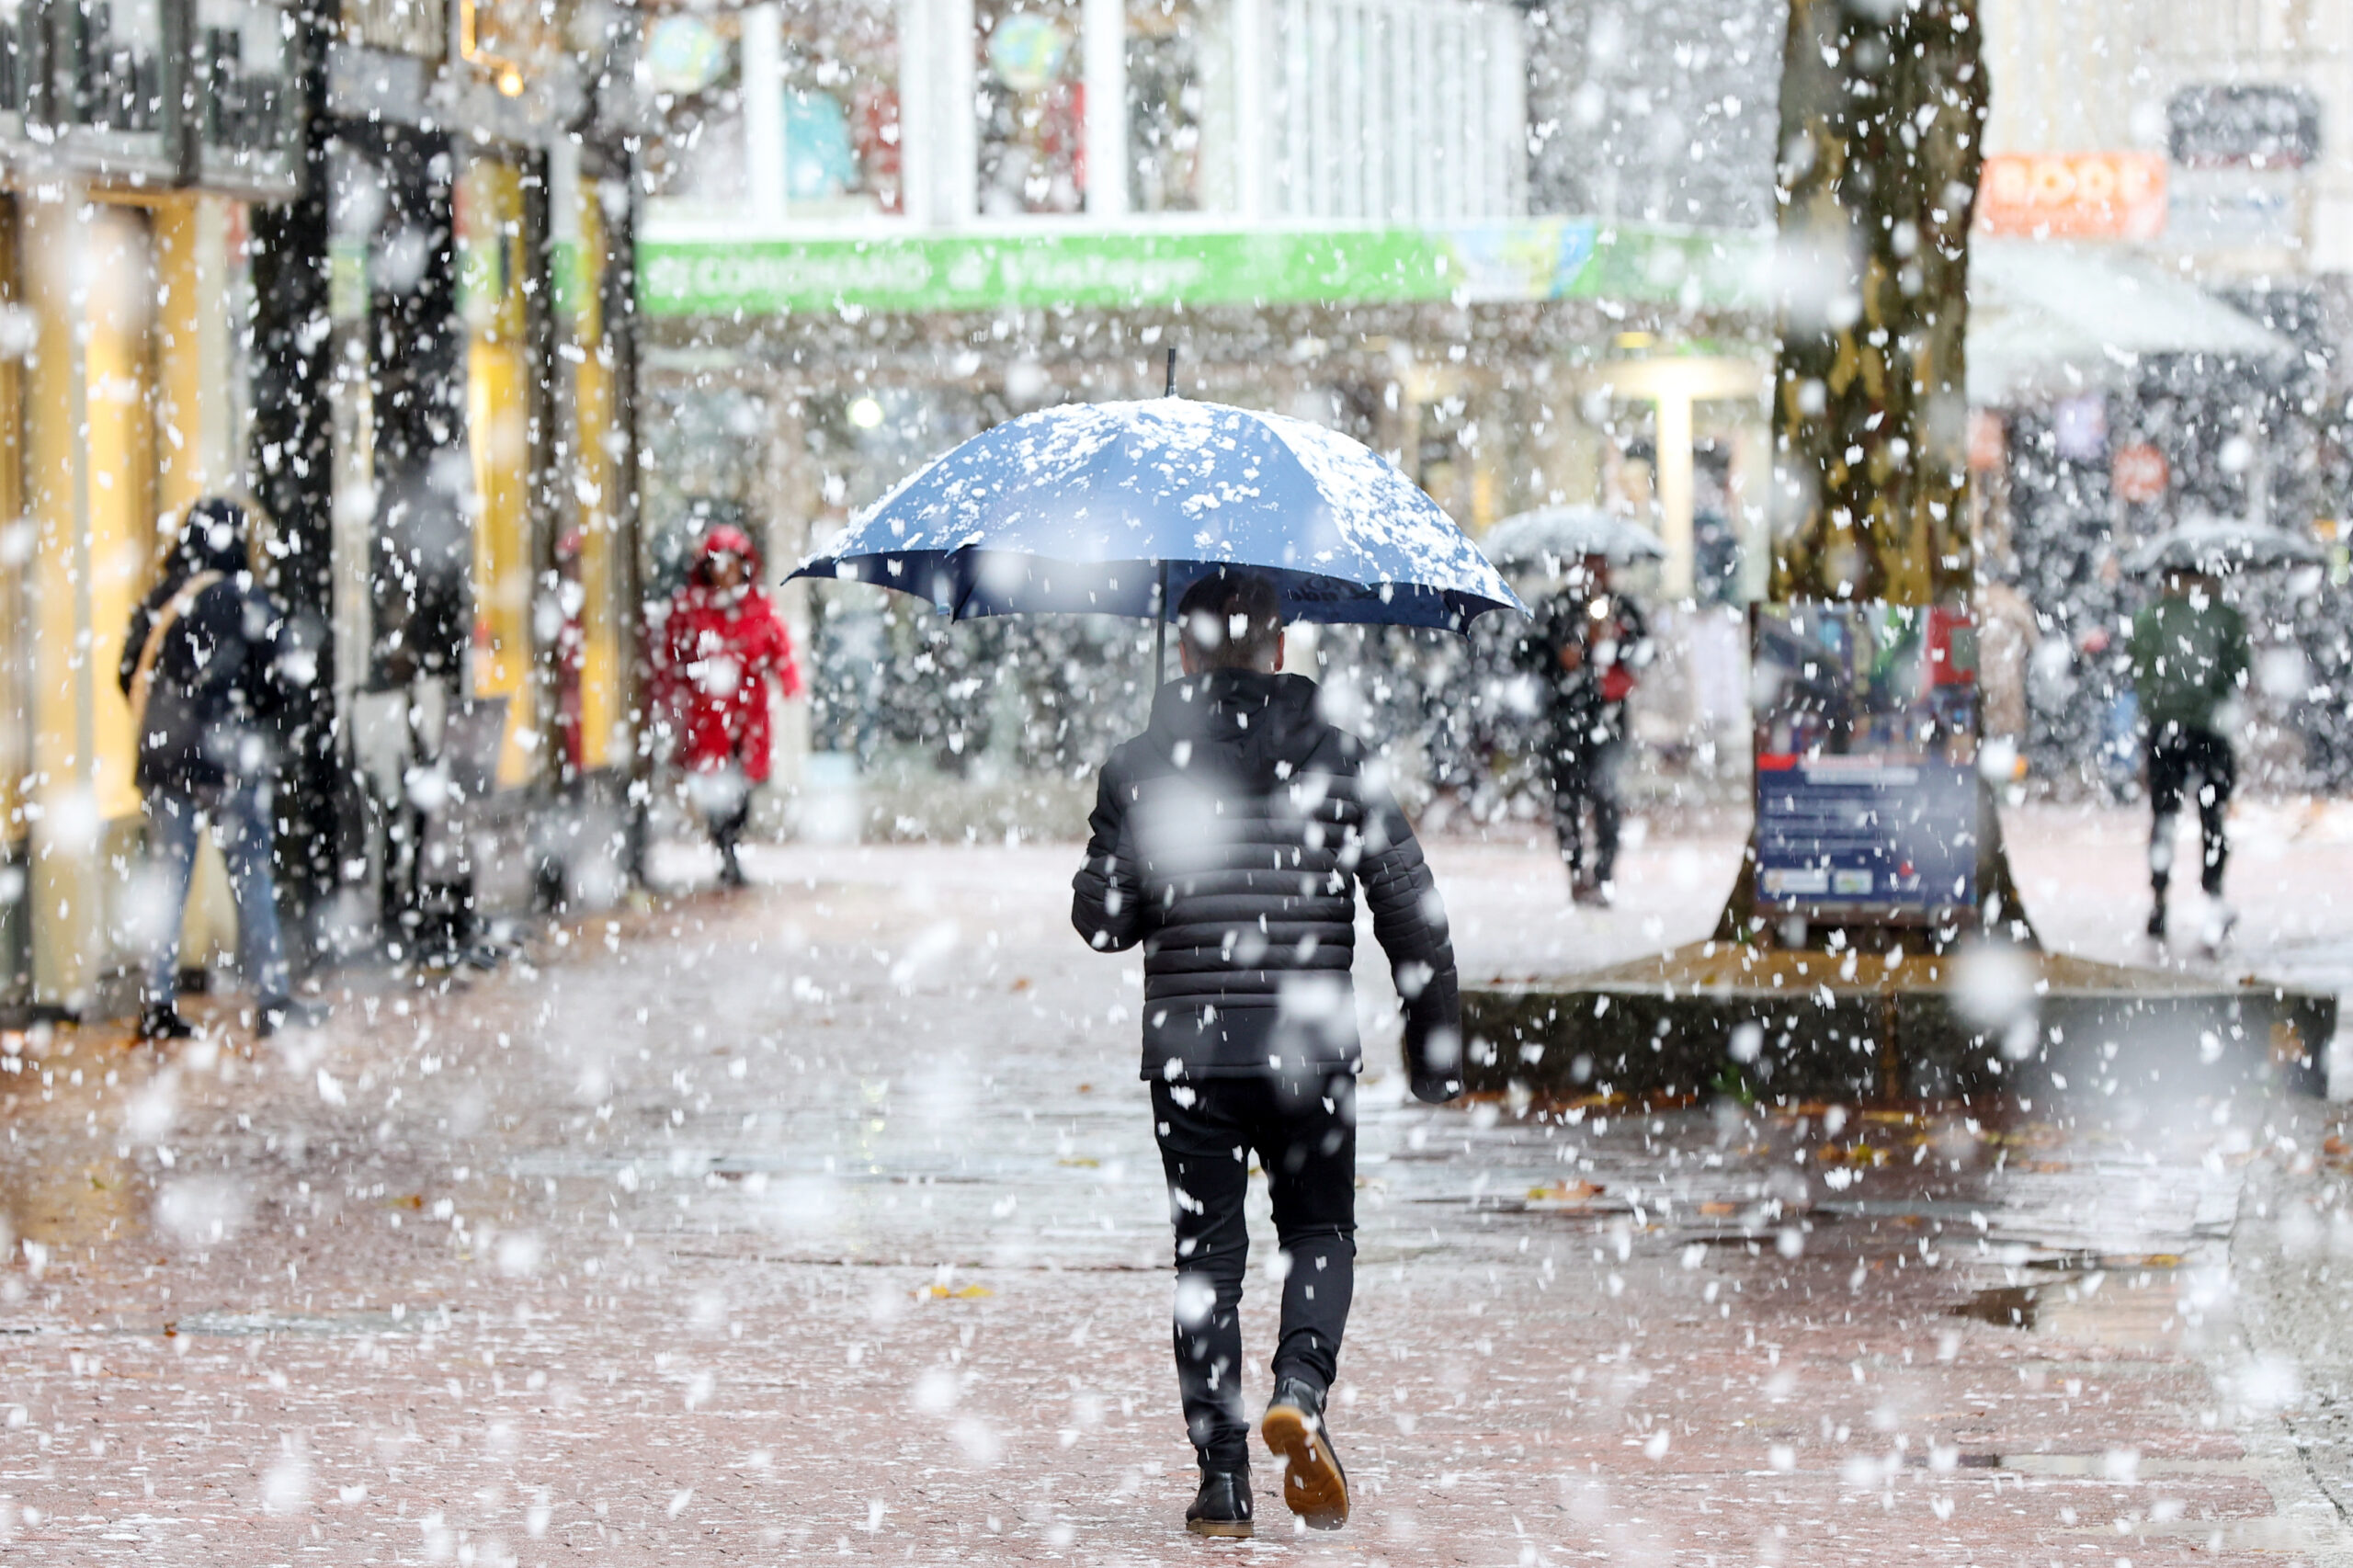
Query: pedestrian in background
x=2008 y=631
x=1586 y=649
x=2190 y=660
x=205 y=675
x=1230 y=839
x=719 y=646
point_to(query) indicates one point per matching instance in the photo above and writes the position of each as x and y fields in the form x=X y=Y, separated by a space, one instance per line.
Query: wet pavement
x=825 y=1222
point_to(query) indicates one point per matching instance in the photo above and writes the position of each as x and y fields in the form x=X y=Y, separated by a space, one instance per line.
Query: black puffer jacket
x=216 y=685
x=1229 y=838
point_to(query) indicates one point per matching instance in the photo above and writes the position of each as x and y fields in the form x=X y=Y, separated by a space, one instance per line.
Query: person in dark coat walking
x=1230 y=839
x=2191 y=659
x=1586 y=651
x=202 y=668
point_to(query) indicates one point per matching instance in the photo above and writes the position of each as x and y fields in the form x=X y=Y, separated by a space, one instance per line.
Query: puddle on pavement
x=2131 y=1302
x=2004 y=1306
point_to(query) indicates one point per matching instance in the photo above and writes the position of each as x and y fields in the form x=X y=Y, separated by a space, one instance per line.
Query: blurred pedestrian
x=1230 y=839
x=721 y=645
x=2008 y=631
x=1586 y=648
x=2189 y=663
x=205 y=675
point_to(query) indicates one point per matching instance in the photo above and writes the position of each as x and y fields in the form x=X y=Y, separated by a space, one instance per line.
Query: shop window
x=418 y=28
x=706 y=448
x=180 y=92
x=1169 y=44
x=16 y=59
x=510 y=44
x=1033 y=108
x=841 y=107
x=249 y=125
x=113 y=77
x=694 y=63
x=1414 y=112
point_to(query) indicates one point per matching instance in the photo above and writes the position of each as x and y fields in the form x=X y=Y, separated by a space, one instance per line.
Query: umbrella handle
x=1170 y=391
x=1159 y=605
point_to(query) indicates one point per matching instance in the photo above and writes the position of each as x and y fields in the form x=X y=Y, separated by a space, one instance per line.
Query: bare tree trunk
x=1882 y=117
x=1882 y=111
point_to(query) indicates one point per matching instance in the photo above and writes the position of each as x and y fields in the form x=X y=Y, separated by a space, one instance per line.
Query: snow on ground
x=825 y=1222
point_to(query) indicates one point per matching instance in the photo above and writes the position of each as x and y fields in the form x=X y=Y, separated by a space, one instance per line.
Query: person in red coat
x=718 y=648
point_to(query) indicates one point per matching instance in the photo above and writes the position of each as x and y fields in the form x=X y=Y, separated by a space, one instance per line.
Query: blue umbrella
x=1119 y=507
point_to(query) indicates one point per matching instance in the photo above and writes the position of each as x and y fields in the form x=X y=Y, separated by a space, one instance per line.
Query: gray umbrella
x=1558 y=535
x=2218 y=546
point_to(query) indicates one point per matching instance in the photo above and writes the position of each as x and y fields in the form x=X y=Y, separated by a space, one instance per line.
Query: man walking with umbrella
x=2189 y=663
x=1229 y=839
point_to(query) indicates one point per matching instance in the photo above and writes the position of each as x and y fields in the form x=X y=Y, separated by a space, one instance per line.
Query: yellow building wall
x=98 y=269
x=492 y=267
x=120 y=368
x=193 y=459
x=602 y=616
x=191 y=359
x=89 y=432
x=126 y=416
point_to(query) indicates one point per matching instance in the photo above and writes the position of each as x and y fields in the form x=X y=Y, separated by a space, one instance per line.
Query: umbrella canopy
x=1560 y=534
x=2219 y=546
x=1118 y=507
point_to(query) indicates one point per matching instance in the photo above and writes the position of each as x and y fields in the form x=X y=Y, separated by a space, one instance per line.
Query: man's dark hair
x=1231 y=620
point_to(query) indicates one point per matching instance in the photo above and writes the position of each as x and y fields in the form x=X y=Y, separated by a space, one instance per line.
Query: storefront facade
x=132 y=143
x=1324 y=209
x=173 y=183
x=472 y=430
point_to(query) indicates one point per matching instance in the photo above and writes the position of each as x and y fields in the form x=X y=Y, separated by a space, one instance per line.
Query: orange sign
x=2140 y=474
x=2074 y=196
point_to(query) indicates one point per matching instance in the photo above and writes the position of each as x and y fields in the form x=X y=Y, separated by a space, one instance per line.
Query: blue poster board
x=1866 y=762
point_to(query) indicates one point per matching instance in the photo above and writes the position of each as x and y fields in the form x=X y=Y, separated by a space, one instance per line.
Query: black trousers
x=727 y=826
x=2177 y=754
x=1585 y=777
x=1304 y=1133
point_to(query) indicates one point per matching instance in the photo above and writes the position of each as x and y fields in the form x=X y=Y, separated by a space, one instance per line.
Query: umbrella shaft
x=1160 y=629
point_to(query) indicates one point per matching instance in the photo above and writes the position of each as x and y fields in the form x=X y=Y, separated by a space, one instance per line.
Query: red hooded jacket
x=714 y=659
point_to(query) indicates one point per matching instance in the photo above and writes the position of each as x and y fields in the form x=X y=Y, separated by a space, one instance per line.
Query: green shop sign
x=1544 y=258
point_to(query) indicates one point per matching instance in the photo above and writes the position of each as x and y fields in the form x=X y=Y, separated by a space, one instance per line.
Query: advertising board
x=1867 y=728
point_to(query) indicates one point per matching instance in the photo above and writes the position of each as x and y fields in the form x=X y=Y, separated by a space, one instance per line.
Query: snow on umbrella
x=1549 y=535
x=1119 y=507
x=2217 y=546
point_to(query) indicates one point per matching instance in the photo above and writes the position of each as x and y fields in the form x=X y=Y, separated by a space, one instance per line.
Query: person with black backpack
x=1230 y=839
x=203 y=670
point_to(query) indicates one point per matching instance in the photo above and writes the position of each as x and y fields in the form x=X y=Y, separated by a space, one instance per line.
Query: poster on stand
x=1867 y=732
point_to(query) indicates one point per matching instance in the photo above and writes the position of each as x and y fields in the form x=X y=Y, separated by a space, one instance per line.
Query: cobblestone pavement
x=825 y=1222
